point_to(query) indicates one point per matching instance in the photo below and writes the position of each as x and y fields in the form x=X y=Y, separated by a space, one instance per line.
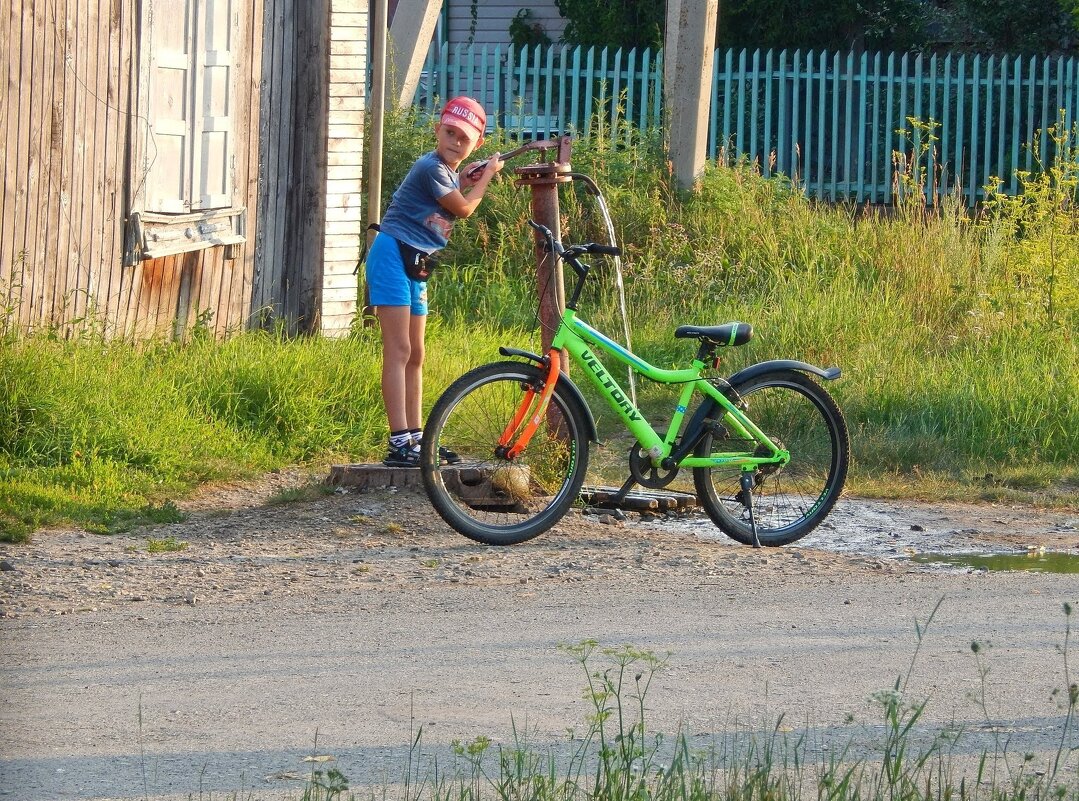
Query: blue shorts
x=387 y=282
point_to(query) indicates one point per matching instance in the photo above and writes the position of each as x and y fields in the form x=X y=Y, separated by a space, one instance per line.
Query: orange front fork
x=525 y=410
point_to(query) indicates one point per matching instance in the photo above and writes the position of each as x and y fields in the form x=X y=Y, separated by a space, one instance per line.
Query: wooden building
x=490 y=23
x=178 y=163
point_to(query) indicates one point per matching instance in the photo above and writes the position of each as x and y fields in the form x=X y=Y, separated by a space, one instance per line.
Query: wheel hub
x=768 y=469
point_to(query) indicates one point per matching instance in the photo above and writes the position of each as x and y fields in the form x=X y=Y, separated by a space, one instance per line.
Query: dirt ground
x=235 y=547
x=336 y=624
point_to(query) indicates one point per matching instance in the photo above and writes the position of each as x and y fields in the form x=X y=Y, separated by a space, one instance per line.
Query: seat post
x=706 y=350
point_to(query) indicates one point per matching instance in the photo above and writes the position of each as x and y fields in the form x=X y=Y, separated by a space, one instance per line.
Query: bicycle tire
x=487 y=498
x=799 y=415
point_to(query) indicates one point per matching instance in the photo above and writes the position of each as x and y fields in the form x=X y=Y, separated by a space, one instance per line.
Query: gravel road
x=339 y=626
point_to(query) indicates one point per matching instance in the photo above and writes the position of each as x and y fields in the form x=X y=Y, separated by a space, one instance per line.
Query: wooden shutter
x=213 y=163
x=189 y=163
x=167 y=151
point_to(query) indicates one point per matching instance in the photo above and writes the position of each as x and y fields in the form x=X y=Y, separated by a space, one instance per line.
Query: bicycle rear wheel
x=489 y=498
x=788 y=502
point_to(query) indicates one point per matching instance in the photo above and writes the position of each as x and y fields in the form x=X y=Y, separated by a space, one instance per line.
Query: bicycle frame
x=582 y=341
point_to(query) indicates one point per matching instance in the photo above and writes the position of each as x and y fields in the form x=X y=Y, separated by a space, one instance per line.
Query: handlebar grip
x=576 y=250
x=480 y=167
x=543 y=229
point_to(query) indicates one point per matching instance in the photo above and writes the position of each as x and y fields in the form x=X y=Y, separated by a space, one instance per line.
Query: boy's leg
x=396 y=354
x=397 y=301
x=392 y=296
x=414 y=387
x=413 y=400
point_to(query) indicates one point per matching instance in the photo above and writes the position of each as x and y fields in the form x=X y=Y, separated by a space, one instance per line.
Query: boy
x=418 y=222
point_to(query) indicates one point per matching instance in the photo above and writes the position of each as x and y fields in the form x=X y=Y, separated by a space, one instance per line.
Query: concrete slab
x=374 y=476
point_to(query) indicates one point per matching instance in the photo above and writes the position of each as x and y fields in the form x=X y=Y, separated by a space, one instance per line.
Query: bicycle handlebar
x=571 y=256
x=571 y=253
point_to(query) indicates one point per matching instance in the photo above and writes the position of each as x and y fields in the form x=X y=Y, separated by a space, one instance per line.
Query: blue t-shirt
x=414 y=215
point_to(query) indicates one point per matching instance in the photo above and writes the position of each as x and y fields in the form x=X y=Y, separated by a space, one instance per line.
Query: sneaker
x=445 y=455
x=402 y=456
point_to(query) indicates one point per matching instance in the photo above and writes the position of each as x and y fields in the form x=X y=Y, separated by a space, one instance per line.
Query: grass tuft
x=165 y=545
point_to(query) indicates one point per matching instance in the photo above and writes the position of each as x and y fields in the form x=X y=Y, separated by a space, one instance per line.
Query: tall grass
x=102 y=433
x=958 y=333
x=957 y=336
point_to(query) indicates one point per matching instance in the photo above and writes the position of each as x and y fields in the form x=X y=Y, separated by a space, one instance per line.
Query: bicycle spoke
x=788 y=501
x=493 y=499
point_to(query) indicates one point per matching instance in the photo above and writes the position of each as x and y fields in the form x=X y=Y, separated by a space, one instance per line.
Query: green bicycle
x=768 y=447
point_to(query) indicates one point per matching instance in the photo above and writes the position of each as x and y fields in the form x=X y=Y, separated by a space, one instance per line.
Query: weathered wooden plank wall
x=66 y=72
x=344 y=164
x=73 y=142
x=312 y=138
x=70 y=122
x=305 y=223
x=275 y=134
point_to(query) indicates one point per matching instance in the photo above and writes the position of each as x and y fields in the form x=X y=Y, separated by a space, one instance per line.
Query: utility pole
x=378 y=92
x=689 y=53
x=411 y=31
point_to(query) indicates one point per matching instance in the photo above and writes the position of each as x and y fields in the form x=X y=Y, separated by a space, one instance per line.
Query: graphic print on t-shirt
x=439 y=224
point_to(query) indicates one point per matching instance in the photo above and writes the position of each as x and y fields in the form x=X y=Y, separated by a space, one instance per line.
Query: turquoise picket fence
x=832 y=122
x=547 y=91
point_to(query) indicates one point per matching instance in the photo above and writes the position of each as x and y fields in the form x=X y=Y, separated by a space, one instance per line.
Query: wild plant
x=1035 y=233
x=620 y=758
x=917 y=178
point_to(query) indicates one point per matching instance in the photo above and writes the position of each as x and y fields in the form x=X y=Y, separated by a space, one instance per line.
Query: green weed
x=620 y=758
x=165 y=545
x=307 y=492
x=118 y=521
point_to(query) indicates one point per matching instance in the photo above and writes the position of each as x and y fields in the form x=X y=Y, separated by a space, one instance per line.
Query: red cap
x=467 y=113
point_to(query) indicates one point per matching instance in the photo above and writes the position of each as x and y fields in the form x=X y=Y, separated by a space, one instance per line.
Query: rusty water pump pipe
x=543 y=179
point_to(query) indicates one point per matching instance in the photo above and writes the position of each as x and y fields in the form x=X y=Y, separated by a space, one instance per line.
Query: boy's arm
x=461 y=205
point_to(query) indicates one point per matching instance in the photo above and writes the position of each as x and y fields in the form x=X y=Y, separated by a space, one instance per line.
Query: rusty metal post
x=543 y=179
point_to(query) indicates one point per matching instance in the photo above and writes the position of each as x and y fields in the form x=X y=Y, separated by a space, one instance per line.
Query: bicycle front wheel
x=482 y=495
x=798 y=415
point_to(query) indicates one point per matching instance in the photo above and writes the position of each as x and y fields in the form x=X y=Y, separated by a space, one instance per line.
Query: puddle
x=1031 y=561
x=933 y=536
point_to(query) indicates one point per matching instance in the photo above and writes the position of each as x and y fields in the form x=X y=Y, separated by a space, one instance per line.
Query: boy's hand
x=475 y=178
x=489 y=166
x=494 y=164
